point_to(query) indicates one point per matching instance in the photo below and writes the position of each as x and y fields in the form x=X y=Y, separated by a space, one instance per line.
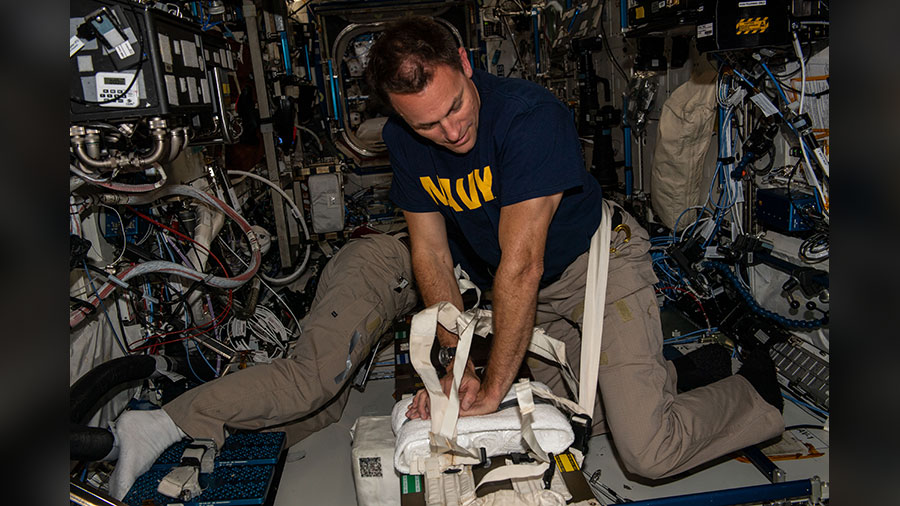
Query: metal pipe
x=92 y=143
x=177 y=142
x=86 y=146
x=768 y=468
x=159 y=130
x=82 y=495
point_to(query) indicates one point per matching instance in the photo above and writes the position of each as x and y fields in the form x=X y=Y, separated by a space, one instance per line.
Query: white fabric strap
x=560 y=402
x=594 y=305
x=444 y=409
x=553 y=350
x=464 y=282
x=526 y=414
x=450 y=489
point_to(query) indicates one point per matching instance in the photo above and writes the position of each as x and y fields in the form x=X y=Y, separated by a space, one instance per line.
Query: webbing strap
x=444 y=409
x=594 y=305
x=510 y=472
x=526 y=417
x=553 y=350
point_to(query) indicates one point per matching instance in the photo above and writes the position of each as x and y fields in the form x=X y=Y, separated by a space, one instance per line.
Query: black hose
x=89 y=443
x=85 y=395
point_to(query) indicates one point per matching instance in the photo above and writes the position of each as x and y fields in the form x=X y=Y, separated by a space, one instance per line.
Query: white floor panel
x=318 y=468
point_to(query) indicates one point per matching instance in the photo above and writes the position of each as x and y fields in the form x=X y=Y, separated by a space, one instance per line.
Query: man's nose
x=452 y=129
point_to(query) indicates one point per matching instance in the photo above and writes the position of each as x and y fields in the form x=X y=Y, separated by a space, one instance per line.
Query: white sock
x=141 y=436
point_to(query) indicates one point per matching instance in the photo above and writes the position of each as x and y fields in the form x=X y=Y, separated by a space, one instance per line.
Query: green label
x=411 y=484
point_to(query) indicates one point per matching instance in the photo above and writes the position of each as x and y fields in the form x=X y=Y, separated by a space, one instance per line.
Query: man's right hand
x=469 y=386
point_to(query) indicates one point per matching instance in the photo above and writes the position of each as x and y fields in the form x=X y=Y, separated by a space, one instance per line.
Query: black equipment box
x=726 y=25
x=663 y=14
x=129 y=62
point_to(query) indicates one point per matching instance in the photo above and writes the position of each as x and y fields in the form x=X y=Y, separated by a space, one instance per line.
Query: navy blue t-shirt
x=527 y=147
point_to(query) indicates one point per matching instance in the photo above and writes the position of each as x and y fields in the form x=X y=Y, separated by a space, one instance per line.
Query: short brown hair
x=403 y=58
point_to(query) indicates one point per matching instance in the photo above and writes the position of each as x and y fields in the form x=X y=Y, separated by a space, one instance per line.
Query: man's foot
x=702 y=366
x=141 y=437
x=759 y=369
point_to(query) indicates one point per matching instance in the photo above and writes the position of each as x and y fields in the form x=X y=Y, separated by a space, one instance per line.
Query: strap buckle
x=621 y=227
x=581 y=426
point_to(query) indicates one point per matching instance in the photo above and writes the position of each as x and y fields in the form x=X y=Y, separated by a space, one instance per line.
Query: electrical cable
x=126 y=188
x=314 y=135
x=77 y=315
x=124 y=237
x=215 y=322
x=809 y=172
x=820 y=412
x=608 y=50
x=799 y=51
x=283 y=303
x=512 y=38
x=691 y=295
x=122 y=328
x=187 y=358
x=87 y=272
x=211 y=326
x=169 y=267
x=804 y=426
x=298 y=216
x=90 y=179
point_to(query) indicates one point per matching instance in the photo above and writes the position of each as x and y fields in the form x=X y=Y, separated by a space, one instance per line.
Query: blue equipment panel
x=777 y=209
x=238 y=449
x=245 y=472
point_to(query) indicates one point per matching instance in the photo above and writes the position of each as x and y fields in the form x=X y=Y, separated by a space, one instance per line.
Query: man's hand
x=469 y=388
x=484 y=404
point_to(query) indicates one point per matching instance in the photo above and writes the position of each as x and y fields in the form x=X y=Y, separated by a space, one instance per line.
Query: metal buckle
x=619 y=228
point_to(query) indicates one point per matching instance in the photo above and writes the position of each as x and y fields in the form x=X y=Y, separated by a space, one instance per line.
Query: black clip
x=485 y=460
x=548 y=474
x=581 y=426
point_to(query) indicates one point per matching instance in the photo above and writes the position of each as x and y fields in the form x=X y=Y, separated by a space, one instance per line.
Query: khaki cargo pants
x=656 y=431
x=357 y=299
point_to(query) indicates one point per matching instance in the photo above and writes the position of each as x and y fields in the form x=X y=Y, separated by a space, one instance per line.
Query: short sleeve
x=540 y=154
x=406 y=190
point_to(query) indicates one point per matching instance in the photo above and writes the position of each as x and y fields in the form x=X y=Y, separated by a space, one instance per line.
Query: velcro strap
x=200 y=453
x=181 y=483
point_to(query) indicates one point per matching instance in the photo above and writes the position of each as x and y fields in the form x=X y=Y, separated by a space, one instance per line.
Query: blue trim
x=741 y=495
x=286 y=54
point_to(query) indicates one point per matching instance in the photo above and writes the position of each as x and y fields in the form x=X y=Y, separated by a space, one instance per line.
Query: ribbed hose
x=748 y=298
x=87 y=392
x=89 y=444
x=158 y=266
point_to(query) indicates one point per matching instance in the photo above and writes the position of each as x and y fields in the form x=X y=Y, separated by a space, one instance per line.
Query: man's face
x=446 y=110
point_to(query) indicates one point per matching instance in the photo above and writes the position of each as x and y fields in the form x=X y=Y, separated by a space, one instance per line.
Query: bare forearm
x=436 y=282
x=515 y=300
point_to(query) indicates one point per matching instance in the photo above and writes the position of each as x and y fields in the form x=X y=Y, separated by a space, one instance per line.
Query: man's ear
x=464 y=59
